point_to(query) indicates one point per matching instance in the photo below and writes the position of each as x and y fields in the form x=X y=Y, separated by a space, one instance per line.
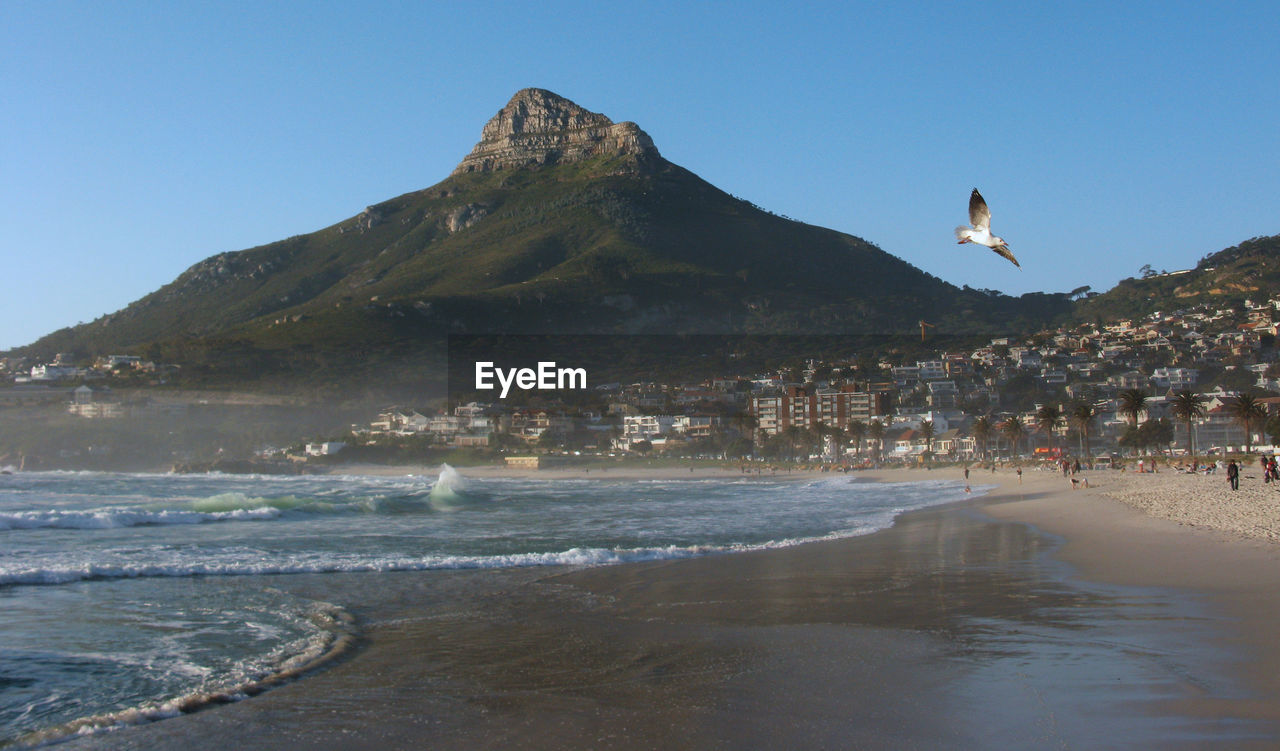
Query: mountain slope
x=1225 y=278
x=558 y=221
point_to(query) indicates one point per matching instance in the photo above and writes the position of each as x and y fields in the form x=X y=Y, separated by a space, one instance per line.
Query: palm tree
x=1013 y=429
x=876 y=431
x=819 y=433
x=926 y=430
x=1082 y=415
x=838 y=438
x=982 y=430
x=746 y=423
x=857 y=431
x=1187 y=406
x=1247 y=410
x=795 y=437
x=1048 y=419
x=1133 y=402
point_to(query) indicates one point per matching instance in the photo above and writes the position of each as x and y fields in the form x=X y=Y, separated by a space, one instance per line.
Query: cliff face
x=539 y=128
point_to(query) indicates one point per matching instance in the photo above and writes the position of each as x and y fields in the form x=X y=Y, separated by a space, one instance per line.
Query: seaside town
x=1097 y=391
x=1203 y=381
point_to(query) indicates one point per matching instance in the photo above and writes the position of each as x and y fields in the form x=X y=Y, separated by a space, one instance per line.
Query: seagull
x=980 y=218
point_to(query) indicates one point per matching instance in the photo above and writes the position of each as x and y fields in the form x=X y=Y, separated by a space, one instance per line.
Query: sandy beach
x=1137 y=613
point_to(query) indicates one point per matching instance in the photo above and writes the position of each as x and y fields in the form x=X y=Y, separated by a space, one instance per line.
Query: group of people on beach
x=1268 y=464
x=1069 y=468
x=1270 y=471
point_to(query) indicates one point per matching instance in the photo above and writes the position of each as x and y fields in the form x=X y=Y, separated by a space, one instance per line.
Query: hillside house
x=327 y=448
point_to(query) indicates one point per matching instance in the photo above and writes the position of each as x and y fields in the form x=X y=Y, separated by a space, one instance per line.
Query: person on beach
x=1233 y=475
x=966 y=474
x=1019 y=475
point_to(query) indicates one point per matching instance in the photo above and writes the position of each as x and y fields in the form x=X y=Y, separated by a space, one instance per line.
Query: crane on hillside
x=922 y=325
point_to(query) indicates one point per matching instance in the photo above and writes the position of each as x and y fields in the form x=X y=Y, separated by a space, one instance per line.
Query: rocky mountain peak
x=538 y=127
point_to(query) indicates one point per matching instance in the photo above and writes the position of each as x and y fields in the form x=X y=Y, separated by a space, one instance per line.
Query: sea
x=129 y=598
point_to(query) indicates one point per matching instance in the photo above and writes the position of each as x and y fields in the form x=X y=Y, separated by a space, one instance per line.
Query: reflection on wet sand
x=950 y=630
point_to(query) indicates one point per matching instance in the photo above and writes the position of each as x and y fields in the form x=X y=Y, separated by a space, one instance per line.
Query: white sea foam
x=111 y=518
x=450 y=491
x=332 y=634
x=234 y=564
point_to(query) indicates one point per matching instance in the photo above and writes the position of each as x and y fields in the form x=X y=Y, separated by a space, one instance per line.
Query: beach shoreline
x=878 y=641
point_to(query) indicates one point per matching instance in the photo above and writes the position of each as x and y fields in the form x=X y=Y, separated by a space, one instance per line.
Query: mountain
x=1224 y=279
x=559 y=220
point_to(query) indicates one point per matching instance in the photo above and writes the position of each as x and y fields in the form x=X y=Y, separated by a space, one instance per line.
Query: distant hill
x=559 y=220
x=1225 y=278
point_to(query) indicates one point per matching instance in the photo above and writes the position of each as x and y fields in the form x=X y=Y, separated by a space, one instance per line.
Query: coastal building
x=807 y=407
x=695 y=427
x=932 y=370
x=953 y=443
x=54 y=372
x=1174 y=378
x=943 y=394
x=93 y=403
x=1218 y=430
x=327 y=448
x=532 y=424
x=1053 y=376
x=112 y=362
x=904 y=375
x=636 y=428
x=399 y=422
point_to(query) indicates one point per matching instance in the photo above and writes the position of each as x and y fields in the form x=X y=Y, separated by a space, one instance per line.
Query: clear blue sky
x=137 y=138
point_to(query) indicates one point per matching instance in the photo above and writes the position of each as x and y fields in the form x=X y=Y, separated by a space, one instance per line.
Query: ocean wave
x=333 y=634
x=113 y=518
x=223 y=507
x=236 y=566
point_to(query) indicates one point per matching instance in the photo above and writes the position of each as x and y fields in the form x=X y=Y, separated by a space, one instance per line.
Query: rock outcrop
x=539 y=128
x=465 y=216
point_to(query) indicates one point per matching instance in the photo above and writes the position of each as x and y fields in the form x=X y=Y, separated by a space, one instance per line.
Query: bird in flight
x=980 y=218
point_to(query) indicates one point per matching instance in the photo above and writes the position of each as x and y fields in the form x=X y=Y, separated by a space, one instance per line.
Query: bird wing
x=1003 y=250
x=979 y=214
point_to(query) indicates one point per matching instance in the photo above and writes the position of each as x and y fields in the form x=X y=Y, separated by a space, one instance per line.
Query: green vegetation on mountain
x=1224 y=279
x=594 y=233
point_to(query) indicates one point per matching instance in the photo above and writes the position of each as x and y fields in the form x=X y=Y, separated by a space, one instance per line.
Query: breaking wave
x=116 y=517
x=236 y=565
x=333 y=634
x=224 y=507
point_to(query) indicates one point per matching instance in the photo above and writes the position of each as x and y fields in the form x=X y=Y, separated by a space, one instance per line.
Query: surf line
x=545 y=377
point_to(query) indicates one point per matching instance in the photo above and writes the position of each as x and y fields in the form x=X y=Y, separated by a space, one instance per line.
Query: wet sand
x=1033 y=617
